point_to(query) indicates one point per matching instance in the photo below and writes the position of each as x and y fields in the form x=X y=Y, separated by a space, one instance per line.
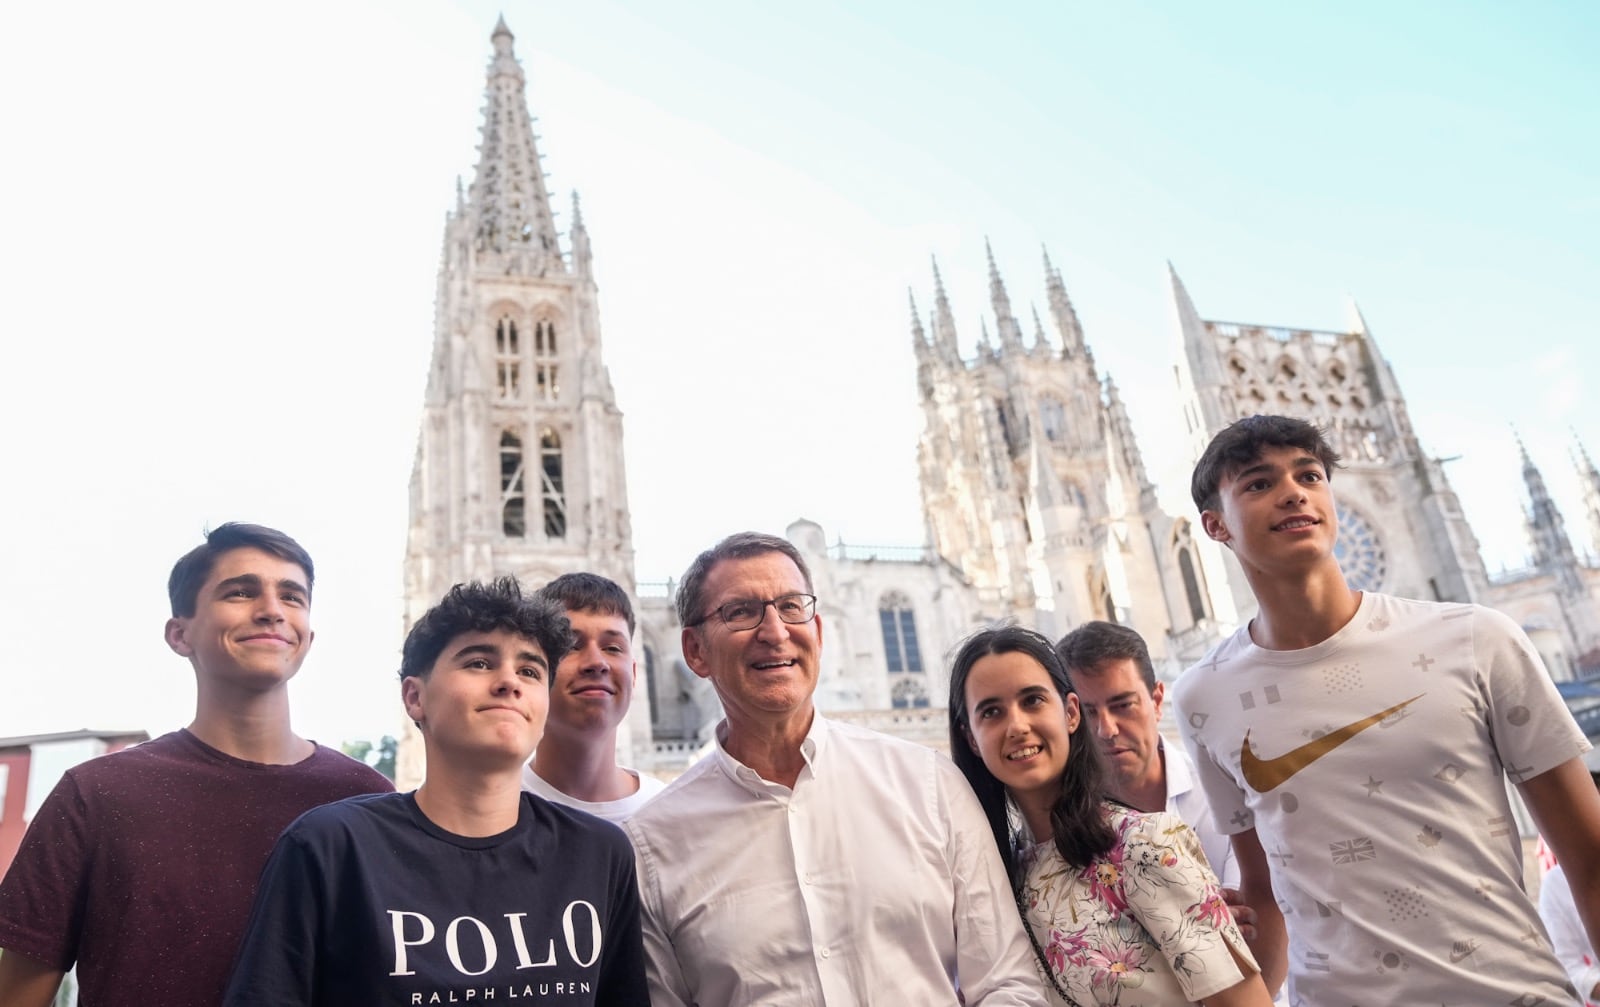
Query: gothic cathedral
x=1036 y=501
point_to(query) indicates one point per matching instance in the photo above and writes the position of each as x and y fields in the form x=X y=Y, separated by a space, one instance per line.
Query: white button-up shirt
x=1186 y=800
x=875 y=880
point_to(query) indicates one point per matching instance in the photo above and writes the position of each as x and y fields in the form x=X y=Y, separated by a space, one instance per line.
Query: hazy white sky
x=221 y=225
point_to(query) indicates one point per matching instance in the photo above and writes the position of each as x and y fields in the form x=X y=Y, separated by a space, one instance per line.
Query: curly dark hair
x=476 y=607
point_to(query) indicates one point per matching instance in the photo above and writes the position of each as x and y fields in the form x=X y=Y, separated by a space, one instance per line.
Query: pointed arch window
x=1053 y=417
x=552 y=484
x=513 y=513
x=546 y=376
x=650 y=683
x=899 y=626
x=1193 y=591
x=507 y=360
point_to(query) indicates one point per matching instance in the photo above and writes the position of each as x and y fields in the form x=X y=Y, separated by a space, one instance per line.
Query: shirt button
x=824 y=952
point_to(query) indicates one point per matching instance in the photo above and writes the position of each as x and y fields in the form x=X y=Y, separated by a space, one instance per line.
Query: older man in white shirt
x=806 y=861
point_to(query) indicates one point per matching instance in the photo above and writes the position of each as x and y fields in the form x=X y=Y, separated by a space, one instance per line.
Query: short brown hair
x=1241 y=442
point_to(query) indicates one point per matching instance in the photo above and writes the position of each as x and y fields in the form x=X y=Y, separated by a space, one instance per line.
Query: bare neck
x=1295 y=614
x=249 y=726
x=584 y=767
x=1149 y=794
x=1036 y=812
x=468 y=801
x=770 y=748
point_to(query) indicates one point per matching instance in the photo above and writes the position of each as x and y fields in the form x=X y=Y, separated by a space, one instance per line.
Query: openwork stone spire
x=509 y=203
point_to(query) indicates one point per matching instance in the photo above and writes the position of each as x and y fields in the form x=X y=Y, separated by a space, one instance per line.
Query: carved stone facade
x=519 y=464
x=1036 y=501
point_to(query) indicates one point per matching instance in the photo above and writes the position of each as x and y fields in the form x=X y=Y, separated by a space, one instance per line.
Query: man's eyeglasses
x=747 y=613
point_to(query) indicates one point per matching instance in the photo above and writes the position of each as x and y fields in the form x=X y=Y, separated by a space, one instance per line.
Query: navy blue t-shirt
x=366 y=901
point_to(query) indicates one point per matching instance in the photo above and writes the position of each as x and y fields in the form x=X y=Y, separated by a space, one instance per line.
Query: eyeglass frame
x=811 y=605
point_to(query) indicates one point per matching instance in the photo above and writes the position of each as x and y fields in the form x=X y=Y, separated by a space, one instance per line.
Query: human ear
x=174 y=633
x=972 y=744
x=1216 y=530
x=411 y=699
x=694 y=651
x=1074 y=713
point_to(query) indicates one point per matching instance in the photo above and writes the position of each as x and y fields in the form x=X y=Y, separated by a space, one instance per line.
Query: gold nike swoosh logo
x=1265 y=774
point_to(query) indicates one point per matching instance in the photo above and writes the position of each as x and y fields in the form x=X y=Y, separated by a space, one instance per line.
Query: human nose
x=590 y=657
x=269 y=608
x=1105 y=726
x=507 y=682
x=771 y=627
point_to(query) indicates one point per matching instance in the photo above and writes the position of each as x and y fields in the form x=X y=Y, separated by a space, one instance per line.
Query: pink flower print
x=1063 y=948
x=1211 y=910
x=1115 y=965
x=1105 y=881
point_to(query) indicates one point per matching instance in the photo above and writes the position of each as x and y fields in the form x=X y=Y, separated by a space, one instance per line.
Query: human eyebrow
x=247 y=581
x=1258 y=469
x=477 y=650
x=294 y=586
x=530 y=657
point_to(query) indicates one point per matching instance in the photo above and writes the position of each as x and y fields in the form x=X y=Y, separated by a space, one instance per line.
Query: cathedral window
x=513 y=519
x=899 y=626
x=1191 y=585
x=1005 y=427
x=908 y=693
x=1053 y=417
x=507 y=360
x=545 y=374
x=1286 y=369
x=650 y=681
x=552 y=485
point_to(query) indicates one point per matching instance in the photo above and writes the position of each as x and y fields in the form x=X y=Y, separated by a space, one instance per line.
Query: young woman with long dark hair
x=1120 y=906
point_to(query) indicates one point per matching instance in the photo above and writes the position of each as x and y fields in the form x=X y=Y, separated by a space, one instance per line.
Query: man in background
x=576 y=762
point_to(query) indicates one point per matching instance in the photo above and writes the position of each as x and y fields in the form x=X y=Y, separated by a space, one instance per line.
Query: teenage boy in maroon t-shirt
x=141 y=866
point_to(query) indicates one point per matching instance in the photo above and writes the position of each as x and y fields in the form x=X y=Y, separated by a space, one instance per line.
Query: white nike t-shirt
x=1374 y=781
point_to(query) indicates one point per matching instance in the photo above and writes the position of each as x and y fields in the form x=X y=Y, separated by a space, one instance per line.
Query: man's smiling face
x=765 y=672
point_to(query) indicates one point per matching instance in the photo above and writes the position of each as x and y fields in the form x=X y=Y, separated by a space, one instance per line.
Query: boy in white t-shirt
x=1357 y=746
x=576 y=762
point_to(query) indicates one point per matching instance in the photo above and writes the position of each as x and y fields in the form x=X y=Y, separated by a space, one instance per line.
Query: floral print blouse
x=1143 y=925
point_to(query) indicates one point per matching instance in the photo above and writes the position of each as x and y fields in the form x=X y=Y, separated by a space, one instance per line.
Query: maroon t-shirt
x=141 y=866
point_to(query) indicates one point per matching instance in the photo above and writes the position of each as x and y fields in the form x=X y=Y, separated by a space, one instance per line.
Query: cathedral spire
x=1041 y=340
x=1010 y=332
x=919 y=337
x=508 y=199
x=1205 y=364
x=1061 y=310
x=582 y=254
x=944 y=322
x=1590 y=480
x=1547 y=531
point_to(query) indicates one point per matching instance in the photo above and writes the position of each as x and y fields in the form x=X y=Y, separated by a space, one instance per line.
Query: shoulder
x=1225 y=652
x=576 y=831
x=336 y=766
x=565 y=818
x=862 y=742
x=362 y=813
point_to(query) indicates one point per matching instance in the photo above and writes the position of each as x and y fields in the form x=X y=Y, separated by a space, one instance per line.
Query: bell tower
x=519 y=463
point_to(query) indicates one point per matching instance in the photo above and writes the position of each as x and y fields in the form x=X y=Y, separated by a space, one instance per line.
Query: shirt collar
x=1180 y=779
x=811 y=748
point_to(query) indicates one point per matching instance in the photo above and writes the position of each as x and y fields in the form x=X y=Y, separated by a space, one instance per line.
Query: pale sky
x=221 y=226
